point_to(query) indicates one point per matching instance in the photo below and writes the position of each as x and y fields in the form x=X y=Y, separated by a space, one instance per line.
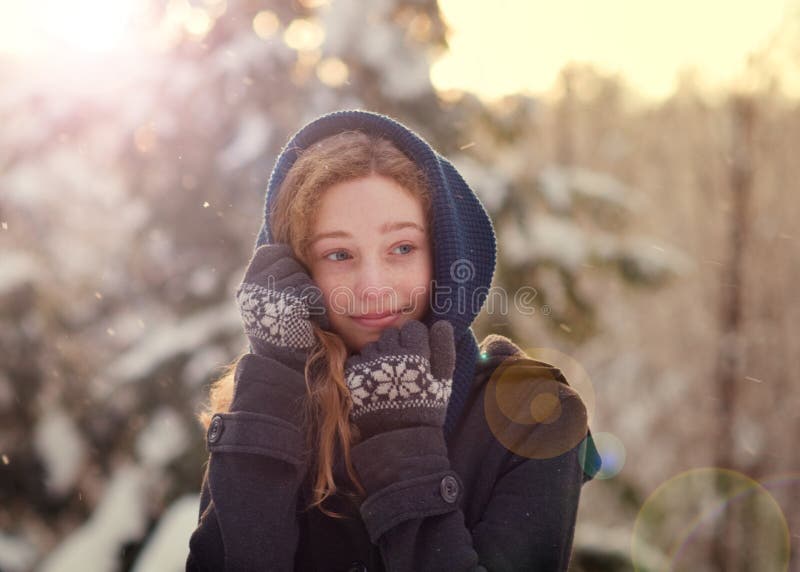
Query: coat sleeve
x=257 y=461
x=412 y=513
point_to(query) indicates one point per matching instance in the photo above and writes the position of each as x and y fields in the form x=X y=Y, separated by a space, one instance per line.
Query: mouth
x=378 y=320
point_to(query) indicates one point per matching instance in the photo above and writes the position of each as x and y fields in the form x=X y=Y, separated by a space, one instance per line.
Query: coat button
x=215 y=429
x=357 y=566
x=449 y=488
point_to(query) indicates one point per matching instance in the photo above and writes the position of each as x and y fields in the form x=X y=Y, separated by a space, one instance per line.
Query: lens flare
x=572 y=370
x=686 y=517
x=531 y=411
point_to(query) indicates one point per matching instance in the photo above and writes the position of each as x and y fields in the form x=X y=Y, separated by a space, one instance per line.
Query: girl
x=365 y=390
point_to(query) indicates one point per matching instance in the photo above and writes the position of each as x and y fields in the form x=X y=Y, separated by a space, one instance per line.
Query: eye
x=410 y=247
x=328 y=256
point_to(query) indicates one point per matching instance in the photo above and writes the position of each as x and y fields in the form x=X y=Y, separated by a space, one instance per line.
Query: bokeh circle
x=531 y=410
x=612 y=454
x=681 y=524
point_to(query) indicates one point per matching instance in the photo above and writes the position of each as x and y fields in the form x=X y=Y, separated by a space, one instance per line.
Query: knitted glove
x=403 y=379
x=278 y=302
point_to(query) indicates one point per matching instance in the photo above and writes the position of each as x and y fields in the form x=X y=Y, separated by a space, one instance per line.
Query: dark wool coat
x=467 y=503
x=496 y=488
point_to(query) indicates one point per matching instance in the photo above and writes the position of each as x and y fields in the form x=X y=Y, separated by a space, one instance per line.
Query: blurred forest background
x=661 y=239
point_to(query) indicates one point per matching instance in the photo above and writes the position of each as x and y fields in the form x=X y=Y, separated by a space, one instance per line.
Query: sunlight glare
x=42 y=27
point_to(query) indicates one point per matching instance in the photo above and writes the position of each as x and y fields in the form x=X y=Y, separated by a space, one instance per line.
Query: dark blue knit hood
x=465 y=248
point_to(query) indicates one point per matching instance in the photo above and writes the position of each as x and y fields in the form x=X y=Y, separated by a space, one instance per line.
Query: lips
x=374 y=316
x=377 y=320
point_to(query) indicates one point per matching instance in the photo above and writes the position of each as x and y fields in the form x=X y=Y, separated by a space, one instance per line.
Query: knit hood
x=464 y=243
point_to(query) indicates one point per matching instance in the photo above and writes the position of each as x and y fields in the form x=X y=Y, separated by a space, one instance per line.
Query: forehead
x=368 y=203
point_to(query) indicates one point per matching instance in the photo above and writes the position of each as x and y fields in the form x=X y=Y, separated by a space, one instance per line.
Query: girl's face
x=370 y=255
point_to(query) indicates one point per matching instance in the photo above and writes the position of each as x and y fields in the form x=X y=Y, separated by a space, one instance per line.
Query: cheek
x=325 y=280
x=424 y=272
x=337 y=295
x=417 y=286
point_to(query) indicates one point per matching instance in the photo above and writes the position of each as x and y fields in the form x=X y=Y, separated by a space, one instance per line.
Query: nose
x=374 y=287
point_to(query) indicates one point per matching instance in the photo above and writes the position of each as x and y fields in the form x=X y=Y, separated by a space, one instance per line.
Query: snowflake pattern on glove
x=395 y=382
x=278 y=318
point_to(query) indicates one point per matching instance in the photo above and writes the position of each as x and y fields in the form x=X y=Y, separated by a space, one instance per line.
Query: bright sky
x=506 y=46
x=497 y=48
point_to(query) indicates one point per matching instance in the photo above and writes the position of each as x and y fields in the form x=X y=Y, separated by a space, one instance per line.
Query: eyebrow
x=385 y=228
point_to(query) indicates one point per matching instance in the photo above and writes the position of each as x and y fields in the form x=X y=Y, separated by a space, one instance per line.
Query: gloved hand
x=278 y=302
x=403 y=379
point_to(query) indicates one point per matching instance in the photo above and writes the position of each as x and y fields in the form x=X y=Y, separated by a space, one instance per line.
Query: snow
x=17 y=269
x=202 y=281
x=25 y=130
x=119 y=519
x=337 y=20
x=561 y=186
x=749 y=438
x=165 y=342
x=25 y=185
x=61 y=448
x=251 y=140
x=653 y=262
x=244 y=51
x=164 y=438
x=545 y=238
x=100 y=83
x=16 y=554
x=403 y=67
x=159 y=247
x=406 y=73
x=202 y=364
x=327 y=100
x=168 y=546
x=491 y=185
